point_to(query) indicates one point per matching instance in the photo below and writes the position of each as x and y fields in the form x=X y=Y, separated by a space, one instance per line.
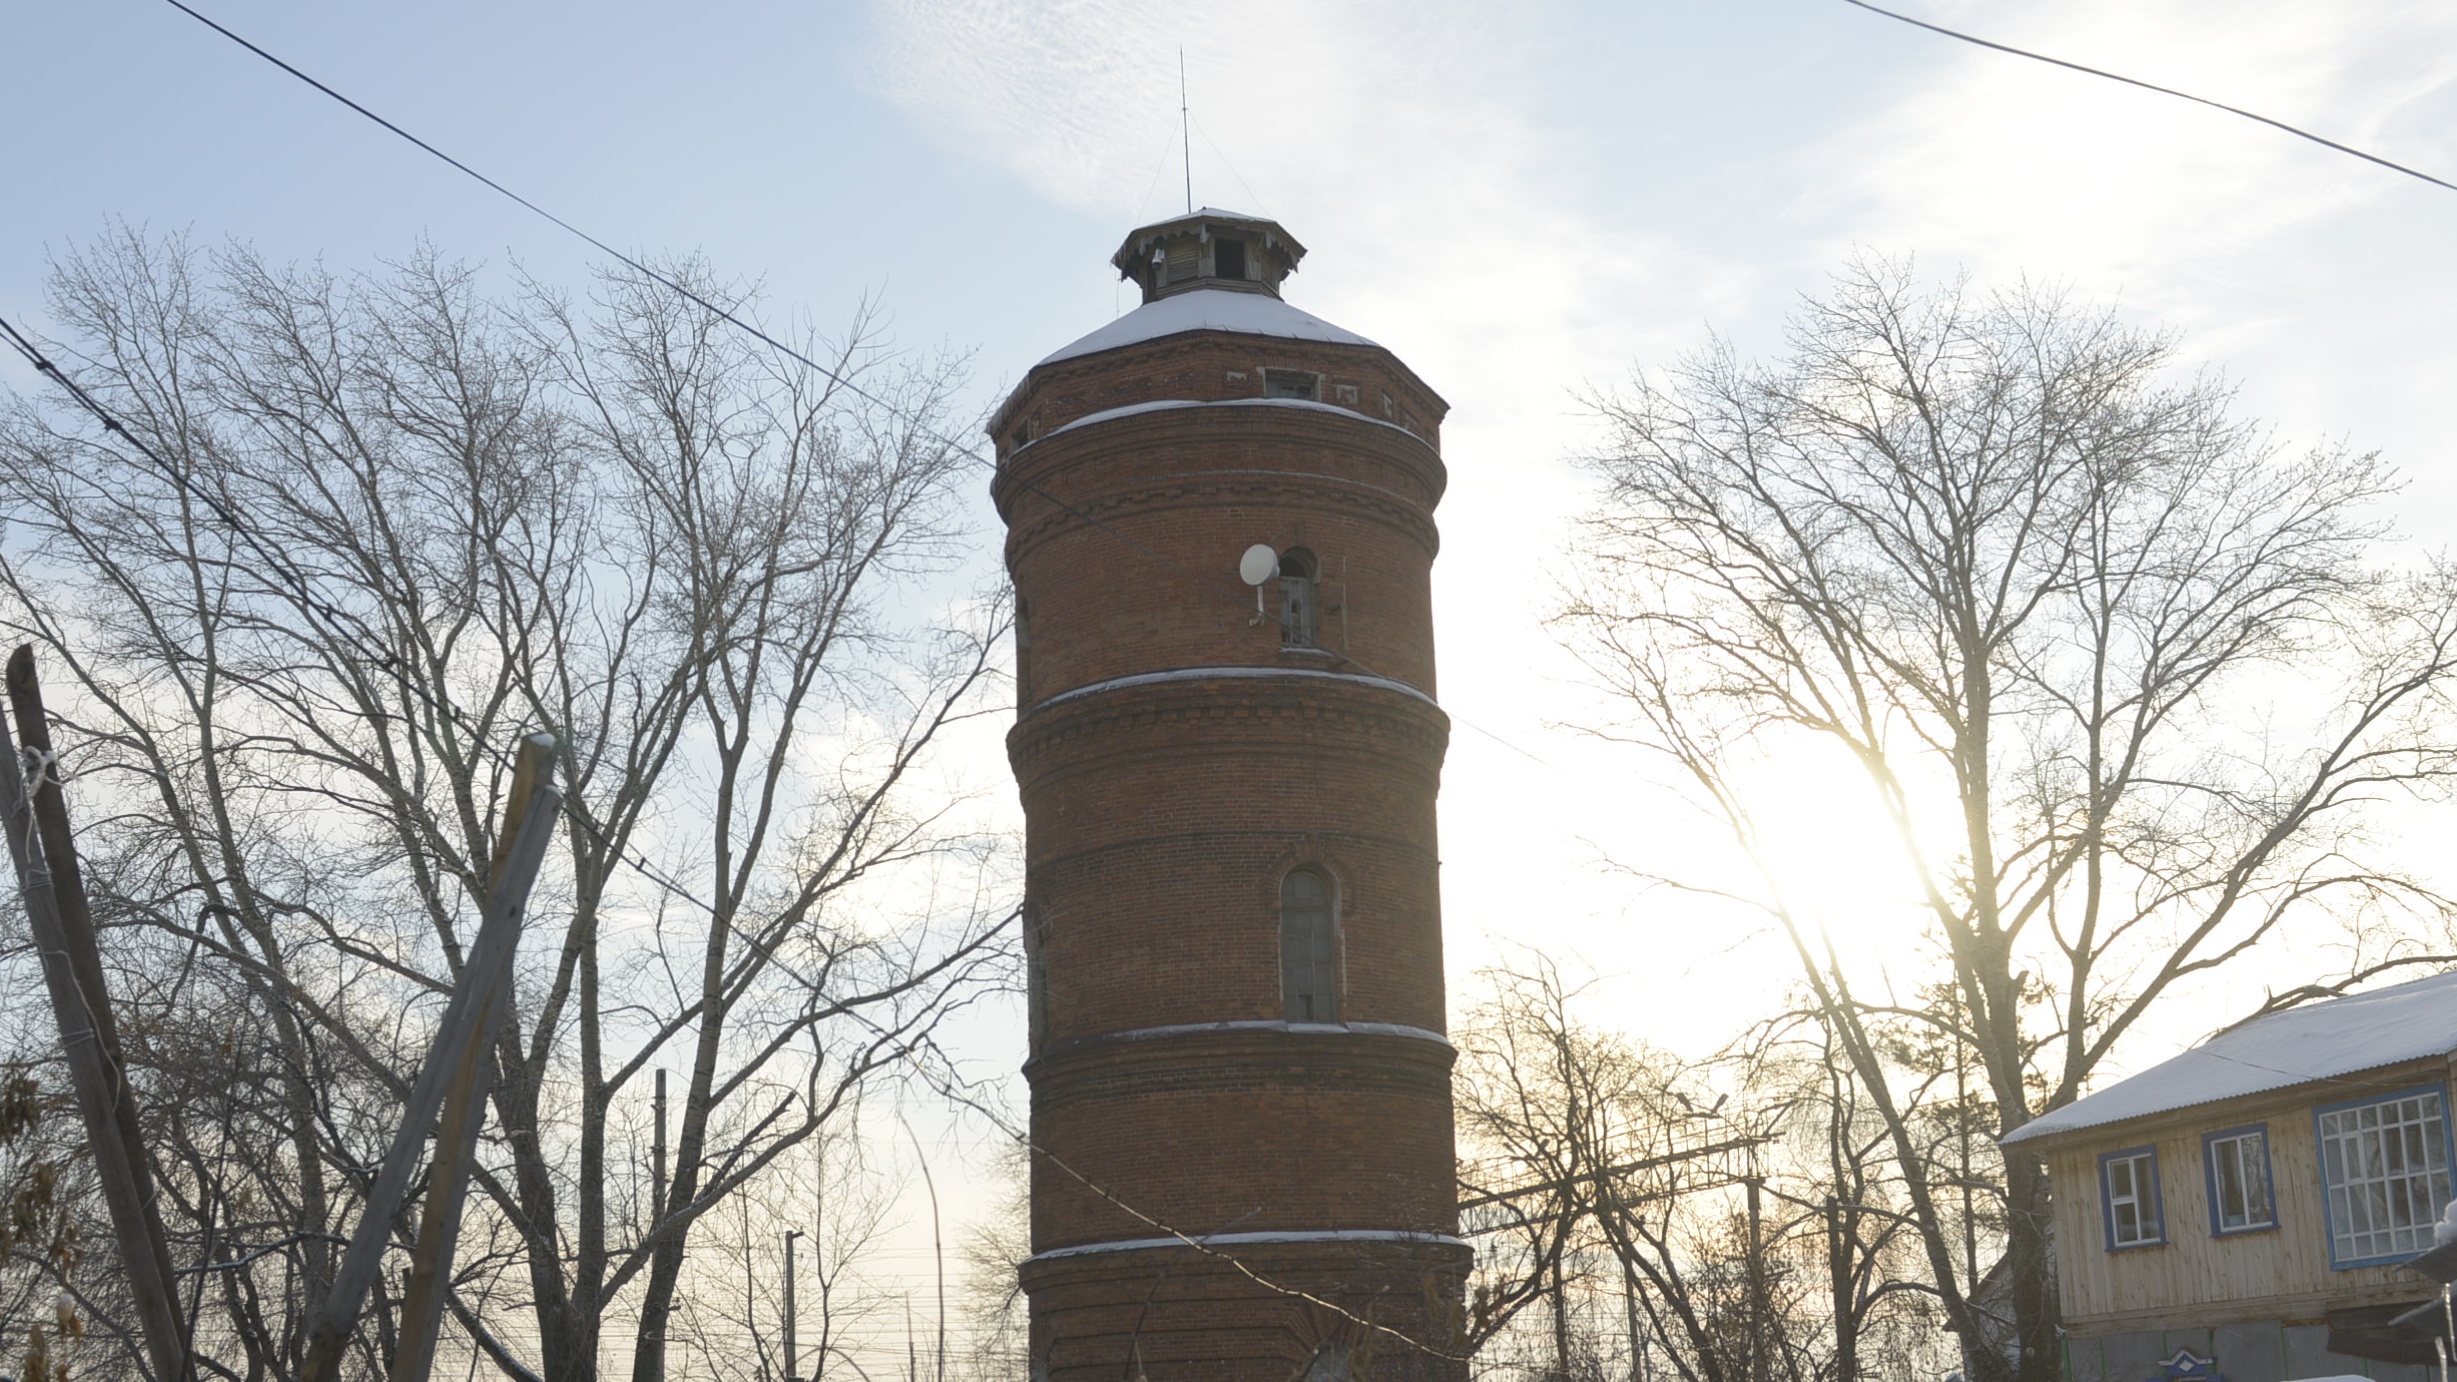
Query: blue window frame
x=2128 y=1199
x=2384 y=1164
x=2235 y=1169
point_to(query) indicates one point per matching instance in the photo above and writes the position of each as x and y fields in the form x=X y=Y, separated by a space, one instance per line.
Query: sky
x=1526 y=202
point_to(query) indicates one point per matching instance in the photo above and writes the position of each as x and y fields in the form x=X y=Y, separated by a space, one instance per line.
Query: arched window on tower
x=1300 y=594
x=1309 y=952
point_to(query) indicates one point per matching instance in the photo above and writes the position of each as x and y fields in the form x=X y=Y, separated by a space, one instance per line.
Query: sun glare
x=1832 y=852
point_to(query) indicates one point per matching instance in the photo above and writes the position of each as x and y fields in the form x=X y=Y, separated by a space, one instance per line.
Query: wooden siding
x=2196 y=1279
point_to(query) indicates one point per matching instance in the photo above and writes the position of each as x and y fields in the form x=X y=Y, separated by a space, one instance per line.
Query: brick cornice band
x=1212 y=1057
x=1207 y=710
x=1229 y=674
x=1330 y=454
x=1380 y=1029
x=1227 y=1240
x=1168 y=404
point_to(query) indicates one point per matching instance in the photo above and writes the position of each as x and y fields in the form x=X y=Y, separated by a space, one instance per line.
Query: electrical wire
x=356 y=633
x=363 y=637
x=112 y=425
x=241 y=530
x=347 y=626
x=1185 y=1240
x=2146 y=86
x=663 y=280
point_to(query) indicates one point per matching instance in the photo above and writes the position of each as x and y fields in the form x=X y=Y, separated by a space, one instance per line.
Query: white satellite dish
x=1259 y=564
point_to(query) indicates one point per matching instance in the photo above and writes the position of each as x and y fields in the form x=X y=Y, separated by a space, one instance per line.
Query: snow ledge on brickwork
x=1323 y=1235
x=1208 y=309
x=2318 y=1041
x=1164 y=404
x=1228 y=674
x=1392 y=1029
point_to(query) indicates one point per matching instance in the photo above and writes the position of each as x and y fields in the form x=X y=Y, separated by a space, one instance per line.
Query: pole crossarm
x=1483 y=1197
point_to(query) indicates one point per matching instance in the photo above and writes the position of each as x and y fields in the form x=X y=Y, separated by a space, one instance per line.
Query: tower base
x=1120 y=1313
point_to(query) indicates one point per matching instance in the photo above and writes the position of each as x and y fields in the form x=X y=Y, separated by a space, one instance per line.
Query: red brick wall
x=1189 y=1317
x=1161 y=817
x=1124 y=535
x=1210 y=365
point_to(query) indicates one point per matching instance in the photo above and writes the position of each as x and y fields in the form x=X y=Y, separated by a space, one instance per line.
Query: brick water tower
x=1219 y=517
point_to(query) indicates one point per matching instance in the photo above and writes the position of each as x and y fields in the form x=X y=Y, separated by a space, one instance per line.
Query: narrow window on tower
x=1309 y=969
x=1228 y=258
x=1023 y=652
x=1036 y=973
x=1300 y=596
x=1292 y=383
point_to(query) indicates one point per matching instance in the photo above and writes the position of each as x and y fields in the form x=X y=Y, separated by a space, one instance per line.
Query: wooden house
x=2244 y=1210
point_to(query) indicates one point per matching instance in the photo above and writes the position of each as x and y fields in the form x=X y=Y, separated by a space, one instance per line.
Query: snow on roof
x=2339 y=1037
x=1209 y=309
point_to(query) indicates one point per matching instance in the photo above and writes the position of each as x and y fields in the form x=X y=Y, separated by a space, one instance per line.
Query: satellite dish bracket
x=1259 y=564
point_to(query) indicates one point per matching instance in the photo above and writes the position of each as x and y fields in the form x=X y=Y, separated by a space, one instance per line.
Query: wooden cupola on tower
x=1208 y=249
x=1232 y=909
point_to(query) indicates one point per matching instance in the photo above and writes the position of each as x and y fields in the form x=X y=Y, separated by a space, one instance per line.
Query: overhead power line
x=663 y=280
x=344 y=624
x=359 y=635
x=350 y=630
x=721 y=313
x=2135 y=81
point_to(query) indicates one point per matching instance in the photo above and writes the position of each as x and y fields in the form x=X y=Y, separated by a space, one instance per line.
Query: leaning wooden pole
x=533 y=805
x=529 y=818
x=43 y=848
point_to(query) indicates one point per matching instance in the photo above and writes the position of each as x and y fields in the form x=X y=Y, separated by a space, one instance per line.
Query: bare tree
x=992 y=1252
x=1604 y=1180
x=403 y=522
x=2118 y=673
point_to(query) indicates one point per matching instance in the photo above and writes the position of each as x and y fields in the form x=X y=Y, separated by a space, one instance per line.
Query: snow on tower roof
x=1210 y=309
x=2340 y=1037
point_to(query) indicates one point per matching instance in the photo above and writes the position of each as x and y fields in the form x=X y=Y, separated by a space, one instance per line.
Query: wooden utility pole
x=528 y=824
x=656 y=1184
x=791 y=1375
x=1757 y=1283
x=43 y=849
x=450 y=1085
x=1637 y=1339
x=1561 y=1315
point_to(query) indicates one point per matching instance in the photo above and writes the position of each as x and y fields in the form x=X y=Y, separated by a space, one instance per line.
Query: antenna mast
x=1185 y=129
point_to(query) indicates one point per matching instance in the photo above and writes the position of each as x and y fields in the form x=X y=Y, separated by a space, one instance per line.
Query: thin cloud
x=2014 y=166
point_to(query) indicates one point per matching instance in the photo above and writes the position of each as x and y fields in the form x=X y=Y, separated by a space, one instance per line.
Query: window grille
x=1292 y=383
x=2239 y=1181
x=2129 y=1181
x=1308 y=948
x=2385 y=1166
x=1300 y=598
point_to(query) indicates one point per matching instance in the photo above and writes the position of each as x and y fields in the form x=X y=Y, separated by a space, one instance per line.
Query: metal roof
x=2319 y=1041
